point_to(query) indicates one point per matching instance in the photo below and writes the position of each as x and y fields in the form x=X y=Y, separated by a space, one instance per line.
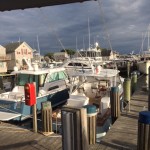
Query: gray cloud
x=123 y=21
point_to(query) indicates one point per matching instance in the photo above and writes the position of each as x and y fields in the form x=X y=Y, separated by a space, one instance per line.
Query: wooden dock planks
x=14 y=137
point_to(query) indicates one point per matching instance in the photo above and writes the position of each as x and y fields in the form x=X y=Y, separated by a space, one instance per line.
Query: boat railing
x=12 y=96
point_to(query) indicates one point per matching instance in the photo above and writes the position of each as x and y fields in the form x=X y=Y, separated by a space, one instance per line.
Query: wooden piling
x=34 y=118
x=46 y=117
x=127 y=89
x=91 y=123
x=74 y=128
x=128 y=69
x=143 y=131
x=115 y=103
x=34 y=111
x=133 y=82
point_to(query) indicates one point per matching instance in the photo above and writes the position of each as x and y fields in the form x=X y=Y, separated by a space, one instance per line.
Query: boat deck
x=122 y=135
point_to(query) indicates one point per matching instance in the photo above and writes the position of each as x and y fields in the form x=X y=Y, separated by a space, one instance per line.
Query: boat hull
x=56 y=99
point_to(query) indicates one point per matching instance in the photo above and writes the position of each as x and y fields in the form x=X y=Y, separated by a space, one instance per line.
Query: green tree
x=103 y=49
x=69 y=51
x=50 y=55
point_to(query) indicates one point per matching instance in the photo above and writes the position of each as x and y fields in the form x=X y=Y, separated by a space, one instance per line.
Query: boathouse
x=18 y=51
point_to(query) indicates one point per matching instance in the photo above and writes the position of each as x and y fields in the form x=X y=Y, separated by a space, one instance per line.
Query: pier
x=122 y=134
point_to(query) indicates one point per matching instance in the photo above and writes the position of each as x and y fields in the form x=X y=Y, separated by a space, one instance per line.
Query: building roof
x=10 y=47
x=2 y=46
x=16 y=4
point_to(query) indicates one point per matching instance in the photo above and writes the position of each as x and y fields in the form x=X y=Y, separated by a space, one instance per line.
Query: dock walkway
x=122 y=135
x=14 y=137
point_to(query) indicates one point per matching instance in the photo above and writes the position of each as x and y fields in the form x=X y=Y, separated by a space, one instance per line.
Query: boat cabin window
x=77 y=64
x=22 y=79
x=7 y=82
x=56 y=76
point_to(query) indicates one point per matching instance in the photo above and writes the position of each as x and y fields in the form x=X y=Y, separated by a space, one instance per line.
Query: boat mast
x=83 y=43
x=89 y=34
x=76 y=43
x=142 y=41
x=148 y=38
x=38 y=47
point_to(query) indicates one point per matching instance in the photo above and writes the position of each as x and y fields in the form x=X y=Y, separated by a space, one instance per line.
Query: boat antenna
x=38 y=47
x=76 y=43
x=143 y=39
x=148 y=37
x=38 y=44
x=19 y=40
x=89 y=32
x=83 y=43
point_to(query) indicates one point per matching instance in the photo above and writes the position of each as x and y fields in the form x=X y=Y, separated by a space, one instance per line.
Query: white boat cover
x=6 y=116
x=77 y=101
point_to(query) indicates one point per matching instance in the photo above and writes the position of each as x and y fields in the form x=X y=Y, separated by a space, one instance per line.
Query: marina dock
x=122 y=134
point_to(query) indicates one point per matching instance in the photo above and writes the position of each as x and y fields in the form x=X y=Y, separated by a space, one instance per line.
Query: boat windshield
x=22 y=79
x=56 y=76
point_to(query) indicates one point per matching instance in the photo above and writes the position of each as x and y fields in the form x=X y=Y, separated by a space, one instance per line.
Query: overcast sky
x=116 y=24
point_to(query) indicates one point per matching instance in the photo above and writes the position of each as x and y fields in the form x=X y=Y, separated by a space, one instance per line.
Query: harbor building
x=17 y=51
x=3 y=59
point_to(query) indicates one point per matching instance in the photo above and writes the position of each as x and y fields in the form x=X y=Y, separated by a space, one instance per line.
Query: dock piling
x=34 y=110
x=127 y=91
x=143 y=131
x=46 y=117
x=115 y=103
x=91 y=123
x=128 y=69
x=74 y=128
x=133 y=82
